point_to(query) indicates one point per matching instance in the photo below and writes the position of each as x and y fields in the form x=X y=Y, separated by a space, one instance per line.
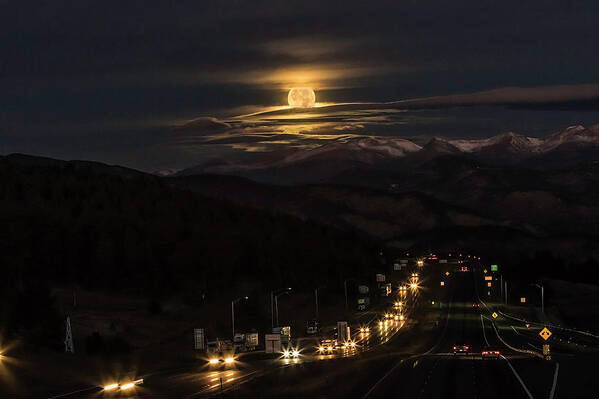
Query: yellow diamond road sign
x=545 y=333
x=494 y=315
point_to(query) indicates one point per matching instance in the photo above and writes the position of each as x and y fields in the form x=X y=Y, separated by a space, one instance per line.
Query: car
x=490 y=353
x=291 y=353
x=475 y=305
x=461 y=349
x=327 y=346
x=221 y=360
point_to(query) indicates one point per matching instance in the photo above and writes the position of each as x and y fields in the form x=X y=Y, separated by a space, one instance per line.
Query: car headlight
x=229 y=360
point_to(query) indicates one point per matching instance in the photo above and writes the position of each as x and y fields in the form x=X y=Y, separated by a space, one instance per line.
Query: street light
x=316 y=298
x=233 y=302
x=274 y=304
x=542 y=296
x=345 y=289
x=500 y=284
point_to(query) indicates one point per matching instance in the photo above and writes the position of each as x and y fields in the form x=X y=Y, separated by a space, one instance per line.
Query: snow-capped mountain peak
x=572 y=134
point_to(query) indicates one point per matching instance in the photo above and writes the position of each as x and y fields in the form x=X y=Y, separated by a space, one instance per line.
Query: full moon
x=301 y=97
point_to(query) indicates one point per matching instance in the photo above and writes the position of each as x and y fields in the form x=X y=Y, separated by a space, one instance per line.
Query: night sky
x=168 y=84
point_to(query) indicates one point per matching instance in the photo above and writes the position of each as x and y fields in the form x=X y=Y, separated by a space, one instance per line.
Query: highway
x=390 y=361
x=205 y=380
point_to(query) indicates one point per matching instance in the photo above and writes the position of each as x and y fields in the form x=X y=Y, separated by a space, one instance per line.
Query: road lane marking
x=516 y=331
x=518 y=377
x=513 y=348
x=73 y=393
x=484 y=334
x=554 y=381
x=414 y=356
x=531 y=345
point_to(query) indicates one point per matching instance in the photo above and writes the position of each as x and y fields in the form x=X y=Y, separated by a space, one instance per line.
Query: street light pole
x=316 y=296
x=277 y=309
x=276 y=305
x=500 y=284
x=233 y=302
x=272 y=317
x=345 y=290
x=316 y=299
x=542 y=296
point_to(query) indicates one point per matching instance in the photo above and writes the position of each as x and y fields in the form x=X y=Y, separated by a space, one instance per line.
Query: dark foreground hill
x=68 y=223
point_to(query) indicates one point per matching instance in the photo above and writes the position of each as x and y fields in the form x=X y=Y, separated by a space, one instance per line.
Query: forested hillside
x=69 y=223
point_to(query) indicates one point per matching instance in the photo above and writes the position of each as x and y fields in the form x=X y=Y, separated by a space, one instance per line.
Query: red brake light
x=485 y=352
x=455 y=348
x=466 y=348
x=497 y=352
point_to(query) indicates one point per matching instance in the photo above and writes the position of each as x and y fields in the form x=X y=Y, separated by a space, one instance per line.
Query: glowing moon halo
x=301 y=97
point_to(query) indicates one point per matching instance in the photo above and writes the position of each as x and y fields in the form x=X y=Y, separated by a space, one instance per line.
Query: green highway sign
x=493 y=268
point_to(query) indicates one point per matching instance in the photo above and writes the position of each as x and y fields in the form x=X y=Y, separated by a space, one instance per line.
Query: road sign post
x=547 y=351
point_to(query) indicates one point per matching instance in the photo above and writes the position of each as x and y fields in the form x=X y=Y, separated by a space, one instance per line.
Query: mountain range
x=564 y=148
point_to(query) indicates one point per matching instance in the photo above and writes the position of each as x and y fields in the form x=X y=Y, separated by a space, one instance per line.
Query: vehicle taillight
x=454 y=348
x=485 y=353
x=466 y=348
x=497 y=352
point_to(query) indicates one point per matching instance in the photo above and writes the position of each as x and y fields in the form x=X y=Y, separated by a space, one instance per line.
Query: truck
x=219 y=346
x=272 y=343
x=363 y=303
x=285 y=333
x=251 y=340
x=199 y=339
x=313 y=327
x=245 y=342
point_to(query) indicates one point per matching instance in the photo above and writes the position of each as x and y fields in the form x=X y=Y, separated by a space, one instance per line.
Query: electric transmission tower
x=68 y=340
